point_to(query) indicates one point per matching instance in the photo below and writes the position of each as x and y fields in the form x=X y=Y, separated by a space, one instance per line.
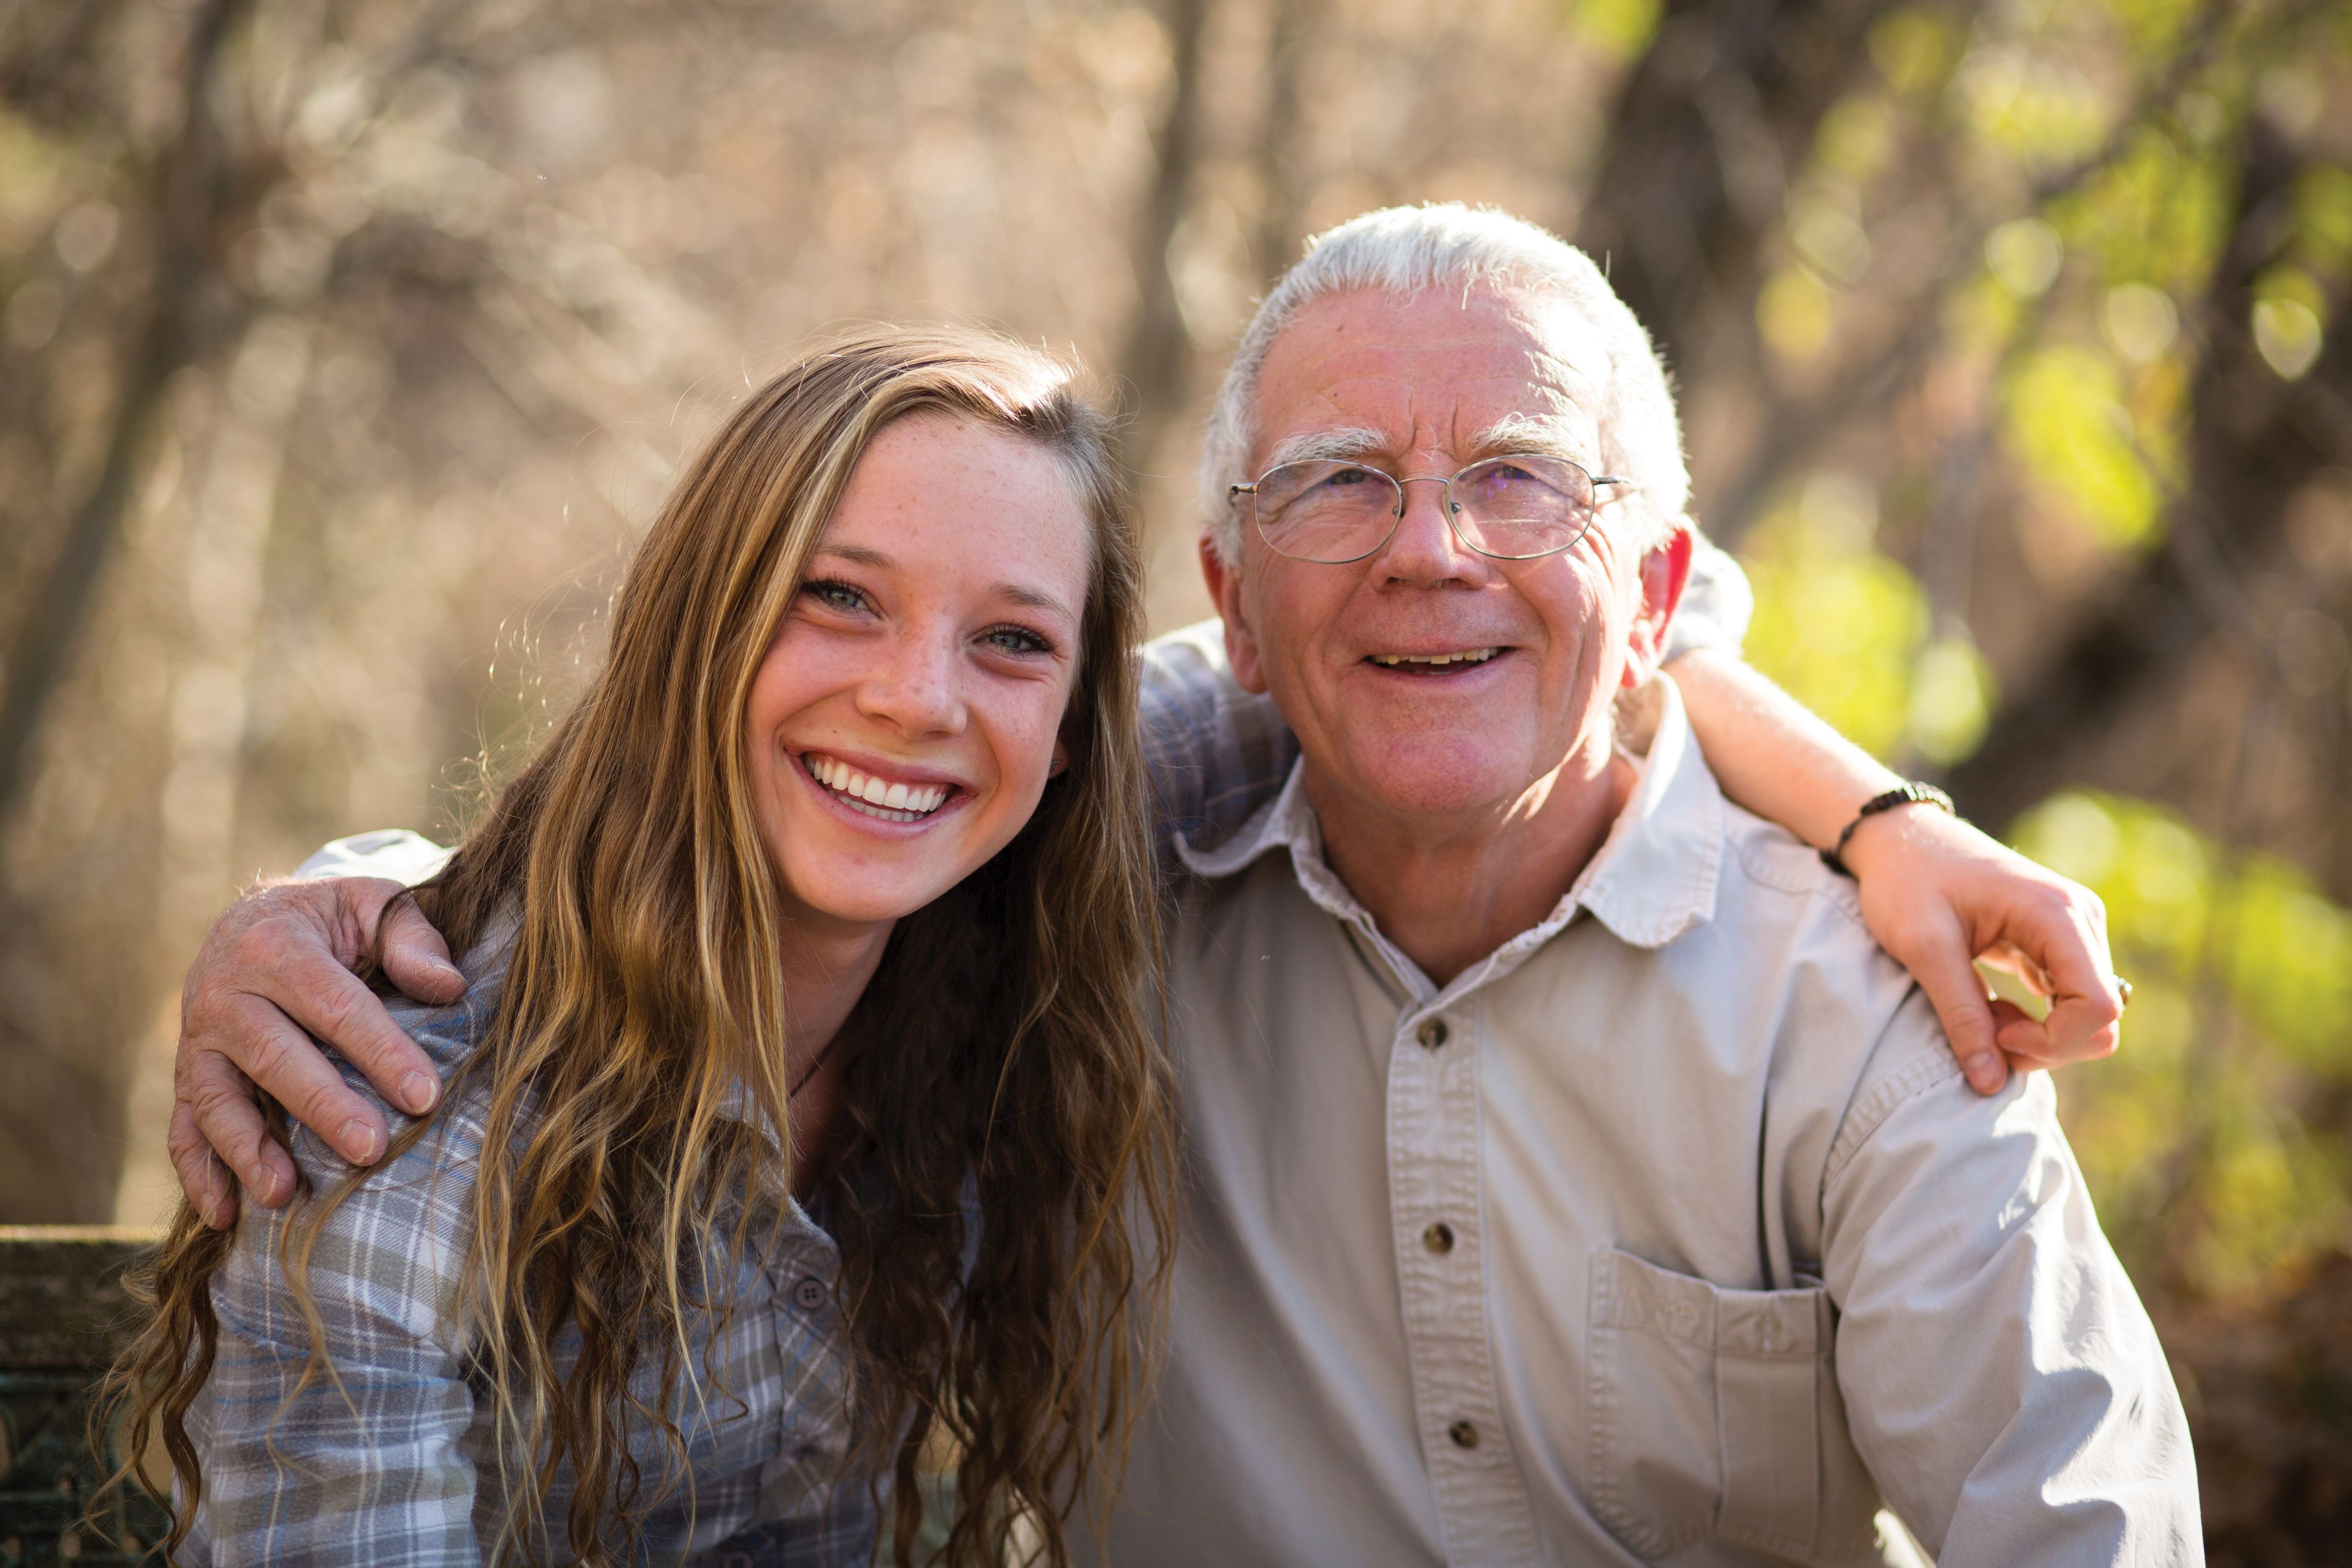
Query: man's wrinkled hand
x=276 y=970
x=1938 y=894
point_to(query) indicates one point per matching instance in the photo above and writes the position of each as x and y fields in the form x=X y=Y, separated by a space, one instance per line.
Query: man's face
x=1433 y=383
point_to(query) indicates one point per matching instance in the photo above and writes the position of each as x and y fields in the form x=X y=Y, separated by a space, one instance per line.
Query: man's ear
x=1233 y=605
x=1664 y=571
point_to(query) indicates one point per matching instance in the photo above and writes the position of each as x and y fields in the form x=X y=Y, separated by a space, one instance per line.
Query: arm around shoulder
x=2001 y=1377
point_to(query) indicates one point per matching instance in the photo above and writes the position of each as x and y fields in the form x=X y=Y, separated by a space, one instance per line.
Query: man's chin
x=1427 y=776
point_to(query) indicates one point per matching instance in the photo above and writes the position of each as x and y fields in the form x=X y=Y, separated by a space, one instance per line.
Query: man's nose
x=914 y=686
x=1424 y=548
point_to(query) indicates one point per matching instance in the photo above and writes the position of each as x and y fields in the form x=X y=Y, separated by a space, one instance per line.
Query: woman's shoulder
x=383 y=1252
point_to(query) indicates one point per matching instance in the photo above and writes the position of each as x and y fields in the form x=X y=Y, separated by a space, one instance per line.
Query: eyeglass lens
x=1333 y=511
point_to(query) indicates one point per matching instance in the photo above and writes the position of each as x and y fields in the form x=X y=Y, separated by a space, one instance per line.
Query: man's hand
x=277 y=963
x=1938 y=894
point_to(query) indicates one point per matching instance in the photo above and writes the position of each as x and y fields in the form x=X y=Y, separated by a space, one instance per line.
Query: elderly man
x=1571 y=1178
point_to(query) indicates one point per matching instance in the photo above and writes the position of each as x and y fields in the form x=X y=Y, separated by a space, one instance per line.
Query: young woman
x=802 y=1114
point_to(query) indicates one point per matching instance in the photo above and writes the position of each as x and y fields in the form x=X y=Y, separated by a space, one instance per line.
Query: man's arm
x=2001 y=1379
x=276 y=970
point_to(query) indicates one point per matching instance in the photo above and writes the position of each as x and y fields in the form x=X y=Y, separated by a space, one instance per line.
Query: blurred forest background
x=345 y=345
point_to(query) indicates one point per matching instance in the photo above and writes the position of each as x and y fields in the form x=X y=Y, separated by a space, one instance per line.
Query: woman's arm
x=363 y=1461
x=1937 y=893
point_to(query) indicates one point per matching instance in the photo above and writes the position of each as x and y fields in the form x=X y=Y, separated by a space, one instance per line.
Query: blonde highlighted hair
x=1002 y=1042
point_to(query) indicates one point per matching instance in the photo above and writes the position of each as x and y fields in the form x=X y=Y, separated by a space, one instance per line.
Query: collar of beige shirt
x=1653 y=879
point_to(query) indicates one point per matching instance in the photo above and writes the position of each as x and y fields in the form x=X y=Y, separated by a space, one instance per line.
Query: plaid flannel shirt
x=394 y=1461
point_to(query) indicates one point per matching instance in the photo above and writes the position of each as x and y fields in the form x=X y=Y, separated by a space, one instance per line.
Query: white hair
x=1405 y=250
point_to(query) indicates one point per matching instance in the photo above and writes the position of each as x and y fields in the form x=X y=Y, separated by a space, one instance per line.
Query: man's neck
x=1449 y=890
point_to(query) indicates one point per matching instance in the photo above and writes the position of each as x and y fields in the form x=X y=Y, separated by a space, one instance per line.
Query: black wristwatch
x=1909 y=793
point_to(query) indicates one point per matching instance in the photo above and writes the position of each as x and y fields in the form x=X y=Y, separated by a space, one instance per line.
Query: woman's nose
x=914 y=688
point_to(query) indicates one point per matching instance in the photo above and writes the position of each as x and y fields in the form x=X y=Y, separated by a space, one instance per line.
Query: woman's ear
x=1061 y=762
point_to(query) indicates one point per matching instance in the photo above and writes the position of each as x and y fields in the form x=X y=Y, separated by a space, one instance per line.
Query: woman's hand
x=276 y=970
x=1939 y=895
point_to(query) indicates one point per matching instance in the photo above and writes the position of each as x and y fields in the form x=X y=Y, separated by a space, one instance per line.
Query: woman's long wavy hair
x=1002 y=1041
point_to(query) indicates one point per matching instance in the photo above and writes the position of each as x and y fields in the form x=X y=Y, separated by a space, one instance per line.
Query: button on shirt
x=1667 y=1231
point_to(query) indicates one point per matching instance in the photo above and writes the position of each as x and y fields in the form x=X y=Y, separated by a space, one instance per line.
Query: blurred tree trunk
x=2256 y=440
x=188 y=191
x=1157 y=353
x=1708 y=132
x=1282 y=173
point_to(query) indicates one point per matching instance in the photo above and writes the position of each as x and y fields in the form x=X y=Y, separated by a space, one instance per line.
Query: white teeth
x=875 y=798
x=1473 y=656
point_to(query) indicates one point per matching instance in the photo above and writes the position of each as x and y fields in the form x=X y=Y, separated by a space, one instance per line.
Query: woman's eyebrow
x=859 y=556
x=1035 y=598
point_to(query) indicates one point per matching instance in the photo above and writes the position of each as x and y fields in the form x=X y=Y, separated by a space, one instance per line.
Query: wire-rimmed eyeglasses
x=1515 y=507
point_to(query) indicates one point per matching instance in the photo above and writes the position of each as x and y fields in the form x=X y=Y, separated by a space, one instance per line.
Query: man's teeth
x=1471 y=656
x=875 y=797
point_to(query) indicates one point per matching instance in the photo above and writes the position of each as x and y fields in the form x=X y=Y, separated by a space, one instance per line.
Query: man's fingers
x=416 y=959
x=1946 y=973
x=281 y=1059
x=202 y=1176
x=219 y=1102
x=330 y=1001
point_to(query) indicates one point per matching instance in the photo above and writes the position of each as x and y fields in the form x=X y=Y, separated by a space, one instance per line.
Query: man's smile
x=1449 y=662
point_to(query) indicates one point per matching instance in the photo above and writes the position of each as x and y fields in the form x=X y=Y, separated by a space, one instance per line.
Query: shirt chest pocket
x=1714 y=1414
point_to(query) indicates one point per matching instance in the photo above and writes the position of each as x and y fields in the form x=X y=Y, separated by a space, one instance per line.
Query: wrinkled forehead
x=1438 y=375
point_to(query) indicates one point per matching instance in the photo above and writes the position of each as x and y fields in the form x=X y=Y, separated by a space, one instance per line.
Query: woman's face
x=905 y=719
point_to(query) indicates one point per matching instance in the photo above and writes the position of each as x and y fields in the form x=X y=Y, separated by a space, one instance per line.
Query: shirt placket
x=1484 y=1514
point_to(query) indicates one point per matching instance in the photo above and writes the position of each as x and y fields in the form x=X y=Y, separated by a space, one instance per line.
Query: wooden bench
x=63 y=1316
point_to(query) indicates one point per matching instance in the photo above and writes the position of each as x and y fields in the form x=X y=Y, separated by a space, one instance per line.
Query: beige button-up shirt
x=1668 y=1232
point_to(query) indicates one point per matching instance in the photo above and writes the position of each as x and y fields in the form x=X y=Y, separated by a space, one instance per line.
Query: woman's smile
x=879 y=791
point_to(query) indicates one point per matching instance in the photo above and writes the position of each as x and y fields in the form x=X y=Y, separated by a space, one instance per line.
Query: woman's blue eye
x=1016 y=639
x=834 y=595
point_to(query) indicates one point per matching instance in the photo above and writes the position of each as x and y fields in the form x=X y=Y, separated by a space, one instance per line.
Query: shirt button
x=1438 y=1237
x=809 y=1294
x=1433 y=1033
x=1465 y=1433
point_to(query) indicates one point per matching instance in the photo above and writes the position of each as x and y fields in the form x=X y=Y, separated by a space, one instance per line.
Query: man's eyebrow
x=1537 y=436
x=1355 y=442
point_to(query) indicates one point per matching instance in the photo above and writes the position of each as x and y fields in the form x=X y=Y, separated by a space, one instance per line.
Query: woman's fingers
x=2065 y=934
x=1940 y=962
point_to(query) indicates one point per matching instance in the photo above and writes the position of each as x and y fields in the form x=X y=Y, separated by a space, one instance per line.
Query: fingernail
x=417 y=1092
x=1984 y=1073
x=358 y=1140
x=262 y=1183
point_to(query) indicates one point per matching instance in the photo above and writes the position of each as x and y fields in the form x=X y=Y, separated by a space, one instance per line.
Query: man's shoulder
x=1842 y=1008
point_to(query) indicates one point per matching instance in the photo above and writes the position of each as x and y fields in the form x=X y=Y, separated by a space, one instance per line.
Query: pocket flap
x=1630 y=1292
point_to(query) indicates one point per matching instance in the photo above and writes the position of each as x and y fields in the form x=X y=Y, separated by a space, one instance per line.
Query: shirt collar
x=1653 y=877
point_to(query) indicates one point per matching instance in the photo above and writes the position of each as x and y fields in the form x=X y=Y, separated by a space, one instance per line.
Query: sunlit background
x=346 y=345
